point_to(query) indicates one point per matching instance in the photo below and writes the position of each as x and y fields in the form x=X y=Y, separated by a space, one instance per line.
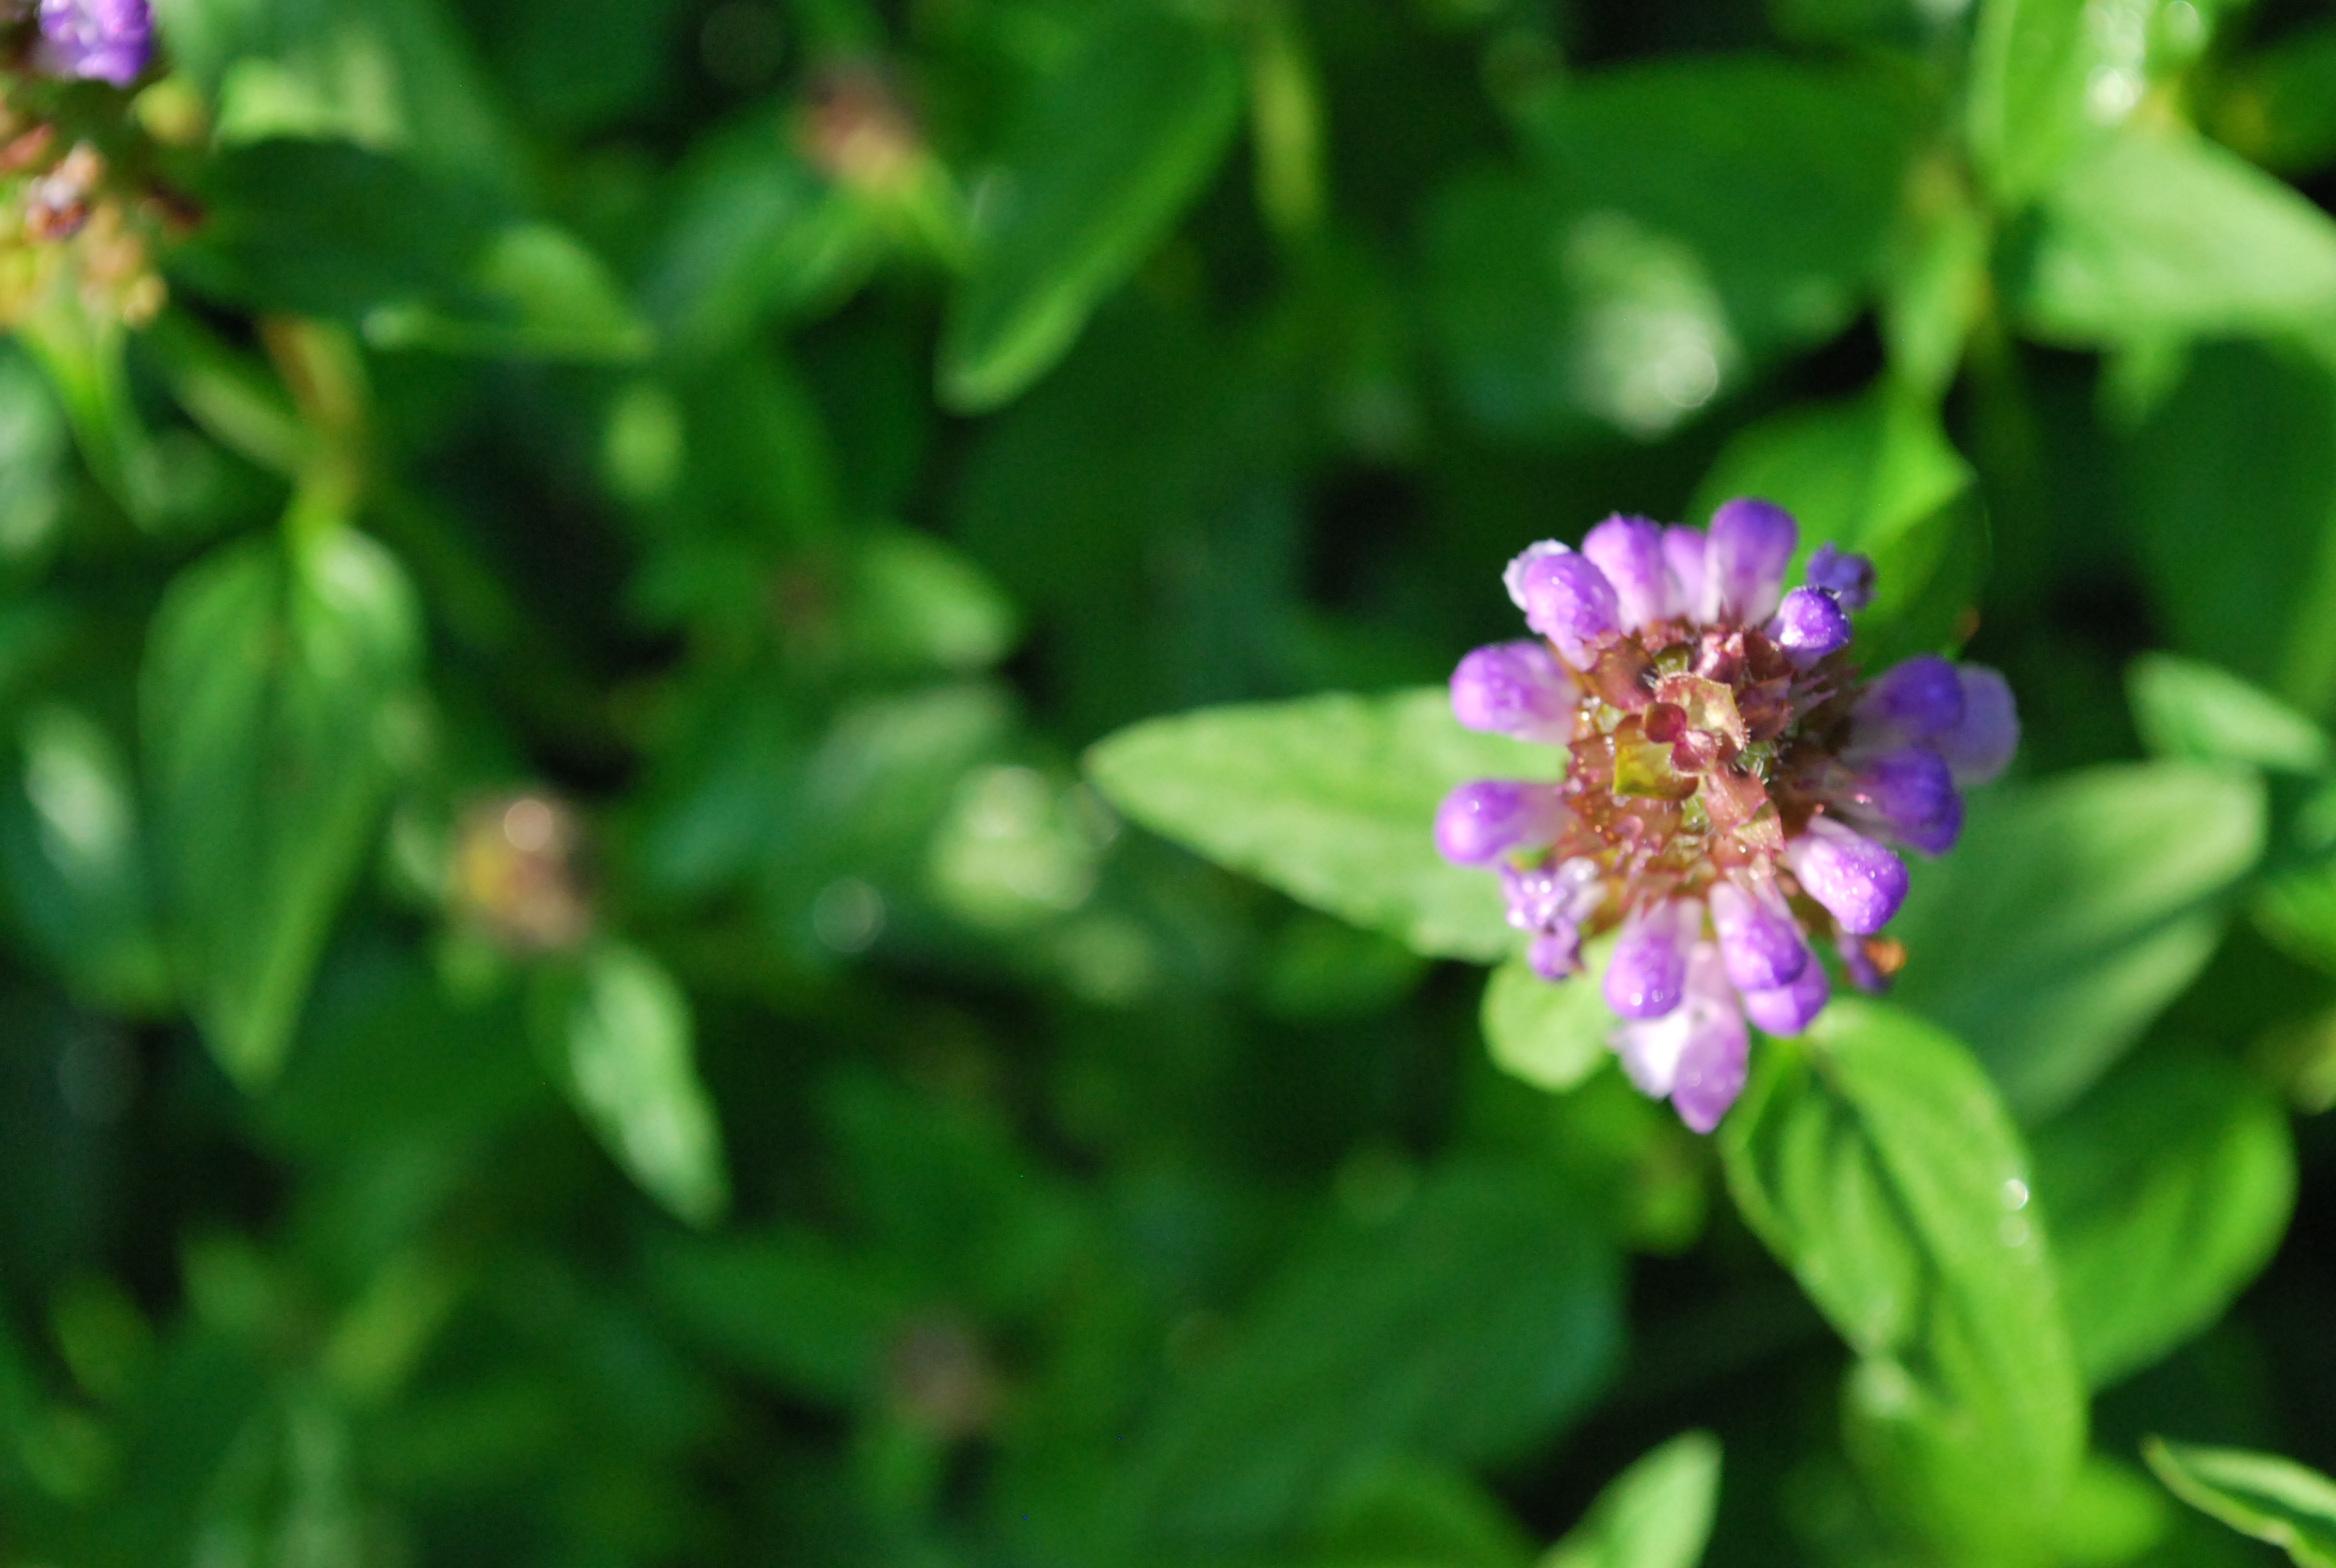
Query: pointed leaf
x=2272 y=1499
x=1330 y=799
x=1655 y=1515
x=2189 y=709
x=275 y=697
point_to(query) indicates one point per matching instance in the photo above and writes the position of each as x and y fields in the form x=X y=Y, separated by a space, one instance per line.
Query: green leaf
x=74 y=856
x=1330 y=799
x=2072 y=912
x=1877 y=1163
x=1089 y=183
x=1481 y=1319
x=2159 y=235
x=537 y=294
x=2032 y=63
x=618 y=1033
x=1637 y=270
x=2272 y=1499
x=2249 y=433
x=276 y=700
x=1551 y=1036
x=783 y=1305
x=1655 y=1515
x=2167 y=1188
x=2189 y=710
x=1875 y=474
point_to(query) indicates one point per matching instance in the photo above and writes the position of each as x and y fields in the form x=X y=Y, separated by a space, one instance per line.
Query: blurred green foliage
x=620 y=948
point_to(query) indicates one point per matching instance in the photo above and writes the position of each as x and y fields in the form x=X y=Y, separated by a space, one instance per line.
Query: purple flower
x=1910 y=793
x=1751 y=544
x=1848 y=578
x=1915 y=700
x=1979 y=744
x=1516 y=688
x=1645 y=978
x=1694 y=1055
x=1809 y=625
x=1566 y=598
x=1860 y=883
x=1482 y=821
x=1760 y=942
x=1718 y=806
x=97 y=39
x=1630 y=552
x=1789 y=1009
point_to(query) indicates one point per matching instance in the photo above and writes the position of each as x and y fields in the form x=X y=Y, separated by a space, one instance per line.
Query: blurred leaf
x=756 y=233
x=2277 y=106
x=75 y=857
x=1877 y=475
x=1551 y=1036
x=1480 y=1319
x=1089 y=183
x=2072 y=912
x=2188 y=710
x=1936 y=284
x=1655 y=1515
x=275 y=702
x=617 y=1030
x=2032 y=63
x=915 y=601
x=2154 y=235
x=329 y=228
x=1330 y=799
x=540 y=294
x=1422 y=1515
x=784 y=1306
x=1638 y=267
x=2259 y=1494
x=2167 y=1188
x=2245 y=446
x=1879 y=1166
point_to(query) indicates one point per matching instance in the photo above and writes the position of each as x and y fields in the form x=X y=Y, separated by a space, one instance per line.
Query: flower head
x=1733 y=789
x=97 y=39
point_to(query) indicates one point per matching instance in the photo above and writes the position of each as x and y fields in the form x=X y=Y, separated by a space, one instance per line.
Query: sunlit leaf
x=2272 y=1499
x=2189 y=710
x=1551 y=1036
x=1657 y=1513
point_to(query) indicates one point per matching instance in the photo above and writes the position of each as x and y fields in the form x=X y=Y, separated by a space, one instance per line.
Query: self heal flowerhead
x=96 y=40
x=1735 y=793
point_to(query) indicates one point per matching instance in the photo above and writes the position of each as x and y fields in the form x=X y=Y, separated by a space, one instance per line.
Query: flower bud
x=1517 y=690
x=1758 y=943
x=1857 y=881
x=1567 y=599
x=97 y=39
x=1980 y=743
x=1789 y=1009
x=1630 y=552
x=1648 y=972
x=1809 y=625
x=1911 y=793
x=1751 y=544
x=1848 y=578
x=1914 y=700
x=1480 y=822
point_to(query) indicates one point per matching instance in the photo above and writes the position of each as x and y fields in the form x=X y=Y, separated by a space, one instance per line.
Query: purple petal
x=1759 y=941
x=1858 y=880
x=1630 y=552
x=1695 y=1056
x=1916 y=700
x=1909 y=792
x=1751 y=544
x=1688 y=552
x=1568 y=600
x=1481 y=821
x=1648 y=973
x=1547 y=898
x=1516 y=688
x=1788 y=1009
x=1848 y=578
x=1556 y=955
x=1809 y=625
x=1978 y=745
x=97 y=39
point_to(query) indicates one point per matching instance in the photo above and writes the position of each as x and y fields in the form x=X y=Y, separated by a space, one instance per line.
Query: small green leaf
x=2032 y=63
x=276 y=701
x=2189 y=710
x=2072 y=912
x=1655 y=1515
x=1089 y=183
x=1330 y=799
x=783 y=1306
x=2162 y=234
x=2272 y=1499
x=618 y=1032
x=2167 y=1188
x=1875 y=474
x=1481 y=1318
x=1551 y=1036
x=1877 y=1163
x=535 y=293
x=75 y=857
